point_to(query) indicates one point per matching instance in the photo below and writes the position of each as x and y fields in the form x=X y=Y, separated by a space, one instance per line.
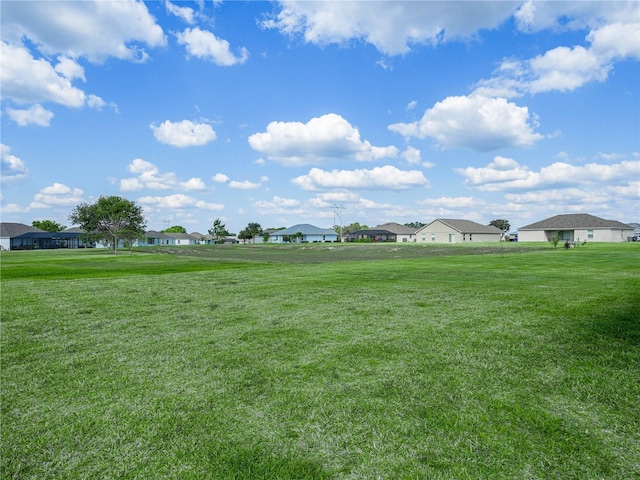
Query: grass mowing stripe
x=523 y=366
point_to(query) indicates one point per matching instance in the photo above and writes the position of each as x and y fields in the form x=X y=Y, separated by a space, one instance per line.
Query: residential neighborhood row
x=571 y=228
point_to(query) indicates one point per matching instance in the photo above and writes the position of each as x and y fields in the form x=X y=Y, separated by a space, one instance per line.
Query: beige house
x=576 y=227
x=447 y=230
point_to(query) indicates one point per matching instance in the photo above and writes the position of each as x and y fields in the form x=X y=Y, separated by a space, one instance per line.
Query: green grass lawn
x=322 y=362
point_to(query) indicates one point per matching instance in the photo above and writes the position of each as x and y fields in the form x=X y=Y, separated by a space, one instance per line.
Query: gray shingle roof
x=305 y=229
x=575 y=220
x=12 y=230
x=467 y=226
x=396 y=228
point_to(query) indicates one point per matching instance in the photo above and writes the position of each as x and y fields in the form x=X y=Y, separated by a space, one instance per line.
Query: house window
x=151 y=241
x=433 y=237
x=424 y=237
x=589 y=233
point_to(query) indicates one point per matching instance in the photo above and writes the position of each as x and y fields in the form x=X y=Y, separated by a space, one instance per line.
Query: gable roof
x=12 y=230
x=575 y=220
x=396 y=228
x=305 y=229
x=467 y=226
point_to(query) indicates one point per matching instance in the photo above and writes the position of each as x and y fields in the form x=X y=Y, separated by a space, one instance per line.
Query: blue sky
x=274 y=112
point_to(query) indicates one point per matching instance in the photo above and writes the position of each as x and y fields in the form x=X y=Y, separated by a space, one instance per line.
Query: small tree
x=250 y=231
x=175 y=229
x=48 y=225
x=110 y=219
x=218 y=231
x=415 y=224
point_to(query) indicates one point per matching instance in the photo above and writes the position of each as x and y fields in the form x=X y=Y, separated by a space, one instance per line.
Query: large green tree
x=219 y=231
x=348 y=229
x=175 y=229
x=110 y=219
x=501 y=223
x=48 y=225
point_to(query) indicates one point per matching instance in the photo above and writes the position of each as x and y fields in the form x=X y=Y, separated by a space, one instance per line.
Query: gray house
x=451 y=230
x=387 y=232
x=576 y=227
x=303 y=232
x=18 y=236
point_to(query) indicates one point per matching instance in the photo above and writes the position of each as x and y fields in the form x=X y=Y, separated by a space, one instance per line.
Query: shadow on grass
x=258 y=463
x=620 y=322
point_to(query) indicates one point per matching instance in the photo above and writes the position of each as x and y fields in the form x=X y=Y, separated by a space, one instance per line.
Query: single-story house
x=18 y=236
x=387 y=232
x=449 y=230
x=303 y=232
x=576 y=227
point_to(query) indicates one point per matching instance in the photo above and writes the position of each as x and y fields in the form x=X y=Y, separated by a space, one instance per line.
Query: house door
x=452 y=237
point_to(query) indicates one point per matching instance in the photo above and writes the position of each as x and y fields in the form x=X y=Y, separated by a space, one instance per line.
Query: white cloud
x=220 y=178
x=507 y=174
x=563 y=68
x=392 y=27
x=95 y=30
x=203 y=44
x=178 y=201
x=35 y=115
x=244 y=185
x=183 y=134
x=378 y=178
x=185 y=13
x=278 y=205
x=149 y=177
x=55 y=195
x=321 y=139
x=13 y=169
x=561 y=16
x=193 y=184
x=29 y=80
x=476 y=122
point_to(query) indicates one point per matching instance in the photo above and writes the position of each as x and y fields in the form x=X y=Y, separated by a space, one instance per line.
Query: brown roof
x=575 y=220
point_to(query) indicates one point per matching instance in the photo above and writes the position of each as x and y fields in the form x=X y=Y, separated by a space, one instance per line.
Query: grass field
x=322 y=362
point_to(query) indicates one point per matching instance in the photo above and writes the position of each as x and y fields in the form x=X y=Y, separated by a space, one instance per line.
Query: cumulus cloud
x=95 y=30
x=205 y=45
x=178 y=201
x=13 y=168
x=321 y=139
x=566 y=68
x=29 y=80
x=35 y=115
x=378 y=178
x=392 y=27
x=507 y=174
x=185 y=13
x=244 y=185
x=279 y=205
x=56 y=195
x=148 y=176
x=476 y=122
x=183 y=134
x=220 y=178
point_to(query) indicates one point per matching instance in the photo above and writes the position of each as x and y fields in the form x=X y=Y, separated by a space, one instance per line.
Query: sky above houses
x=321 y=112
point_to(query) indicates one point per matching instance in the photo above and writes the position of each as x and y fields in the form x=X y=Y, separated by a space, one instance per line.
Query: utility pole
x=338 y=214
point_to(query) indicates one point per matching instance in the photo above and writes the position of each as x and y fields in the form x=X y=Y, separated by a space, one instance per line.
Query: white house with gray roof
x=451 y=230
x=576 y=227
x=303 y=233
x=387 y=232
